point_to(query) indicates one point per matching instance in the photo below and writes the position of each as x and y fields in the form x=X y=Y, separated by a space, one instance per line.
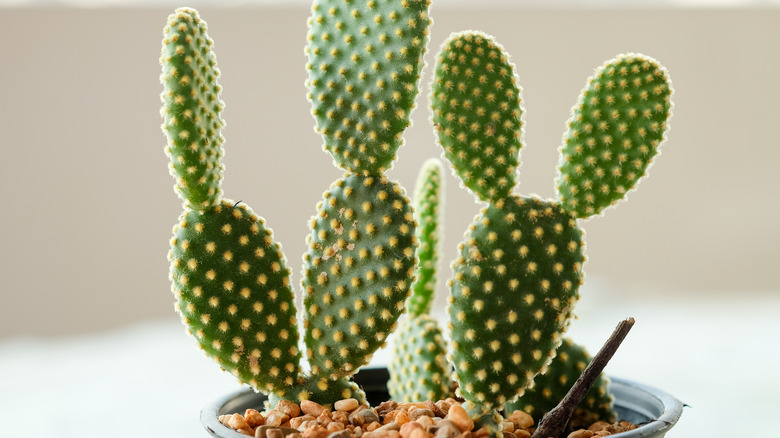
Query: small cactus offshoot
x=419 y=370
x=230 y=278
x=517 y=277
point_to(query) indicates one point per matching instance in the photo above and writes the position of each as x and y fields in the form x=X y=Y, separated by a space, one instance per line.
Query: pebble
x=460 y=418
x=312 y=408
x=347 y=404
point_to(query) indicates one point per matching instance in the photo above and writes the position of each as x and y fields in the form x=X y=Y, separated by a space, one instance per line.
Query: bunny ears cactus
x=517 y=277
x=230 y=278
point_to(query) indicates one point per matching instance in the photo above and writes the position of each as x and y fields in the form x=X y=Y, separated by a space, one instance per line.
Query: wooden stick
x=555 y=421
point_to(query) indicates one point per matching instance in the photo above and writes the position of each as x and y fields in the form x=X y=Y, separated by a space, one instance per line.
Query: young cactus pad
x=419 y=370
x=192 y=110
x=427 y=206
x=551 y=387
x=365 y=59
x=614 y=133
x=357 y=273
x=477 y=115
x=233 y=292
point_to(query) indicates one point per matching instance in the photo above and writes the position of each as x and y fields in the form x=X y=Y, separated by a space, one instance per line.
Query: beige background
x=89 y=205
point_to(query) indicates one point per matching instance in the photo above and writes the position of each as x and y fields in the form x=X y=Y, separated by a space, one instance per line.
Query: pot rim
x=624 y=390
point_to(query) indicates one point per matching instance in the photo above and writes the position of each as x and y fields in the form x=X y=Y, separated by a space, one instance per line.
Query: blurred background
x=89 y=341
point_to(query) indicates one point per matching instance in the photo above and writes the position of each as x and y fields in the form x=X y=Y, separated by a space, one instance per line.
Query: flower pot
x=654 y=409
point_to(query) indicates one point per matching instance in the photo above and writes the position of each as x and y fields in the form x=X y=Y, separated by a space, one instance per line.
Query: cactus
x=569 y=362
x=517 y=277
x=230 y=278
x=419 y=370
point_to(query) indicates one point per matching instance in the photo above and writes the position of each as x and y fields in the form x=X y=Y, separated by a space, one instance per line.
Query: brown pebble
x=315 y=431
x=340 y=434
x=521 y=419
x=365 y=416
x=597 y=426
x=311 y=408
x=480 y=433
x=522 y=433
x=409 y=427
x=262 y=431
x=582 y=433
x=254 y=418
x=508 y=434
x=289 y=408
x=324 y=418
x=424 y=421
x=386 y=407
x=460 y=418
x=276 y=418
x=274 y=433
x=335 y=426
x=236 y=421
x=417 y=413
x=346 y=404
x=402 y=418
x=247 y=431
x=446 y=430
x=391 y=426
x=373 y=426
x=296 y=422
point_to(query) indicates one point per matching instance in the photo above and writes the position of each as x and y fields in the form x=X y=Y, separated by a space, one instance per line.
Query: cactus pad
x=477 y=114
x=513 y=290
x=550 y=388
x=357 y=272
x=419 y=370
x=192 y=110
x=427 y=207
x=233 y=292
x=614 y=133
x=365 y=59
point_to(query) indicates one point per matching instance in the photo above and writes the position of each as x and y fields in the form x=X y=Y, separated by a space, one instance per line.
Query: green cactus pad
x=365 y=59
x=233 y=293
x=324 y=391
x=357 y=271
x=419 y=370
x=614 y=132
x=192 y=110
x=512 y=293
x=428 y=210
x=477 y=113
x=550 y=388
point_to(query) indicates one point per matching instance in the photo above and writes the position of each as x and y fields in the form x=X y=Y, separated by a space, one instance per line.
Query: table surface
x=717 y=353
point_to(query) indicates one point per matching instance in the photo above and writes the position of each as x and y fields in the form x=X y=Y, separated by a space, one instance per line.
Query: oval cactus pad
x=614 y=133
x=365 y=59
x=357 y=272
x=477 y=113
x=513 y=289
x=192 y=110
x=233 y=293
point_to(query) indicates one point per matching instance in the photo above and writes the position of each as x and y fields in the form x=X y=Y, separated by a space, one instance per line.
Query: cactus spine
x=229 y=277
x=419 y=370
x=517 y=277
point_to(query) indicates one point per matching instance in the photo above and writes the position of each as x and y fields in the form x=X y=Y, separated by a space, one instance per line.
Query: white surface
x=717 y=354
